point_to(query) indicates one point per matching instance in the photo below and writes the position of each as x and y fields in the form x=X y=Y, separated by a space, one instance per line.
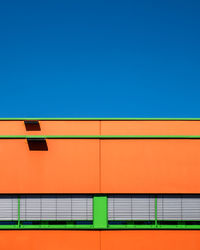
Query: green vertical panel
x=100 y=212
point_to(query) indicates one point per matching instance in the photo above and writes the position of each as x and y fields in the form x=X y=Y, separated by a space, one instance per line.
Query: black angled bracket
x=37 y=144
x=32 y=125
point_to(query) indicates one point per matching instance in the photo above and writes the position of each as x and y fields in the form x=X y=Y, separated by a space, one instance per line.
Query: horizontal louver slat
x=191 y=207
x=8 y=208
x=56 y=207
x=131 y=207
x=169 y=207
x=179 y=207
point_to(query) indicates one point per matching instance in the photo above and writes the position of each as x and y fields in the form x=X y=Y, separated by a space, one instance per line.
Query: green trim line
x=99 y=119
x=156 y=221
x=109 y=227
x=99 y=136
x=100 y=212
x=38 y=227
x=154 y=227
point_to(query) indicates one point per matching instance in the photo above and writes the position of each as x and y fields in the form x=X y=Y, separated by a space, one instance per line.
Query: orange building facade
x=100 y=184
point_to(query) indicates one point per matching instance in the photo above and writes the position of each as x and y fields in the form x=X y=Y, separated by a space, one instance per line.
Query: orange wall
x=150 y=240
x=49 y=240
x=107 y=166
x=150 y=166
x=52 y=128
x=69 y=166
x=104 y=128
x=150 y=127
x=104 y=240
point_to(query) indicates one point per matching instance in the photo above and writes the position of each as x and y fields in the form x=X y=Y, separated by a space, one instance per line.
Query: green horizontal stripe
x=99 y=136
x=110 y=227
x=99 y=119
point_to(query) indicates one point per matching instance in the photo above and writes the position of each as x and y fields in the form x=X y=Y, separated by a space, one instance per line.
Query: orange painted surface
x=70 y=127
x=104 y=240
x=49 y=240
x=106 y=127
x=52 y=128
x=150 y=166
x=69 y=166
x=127 y=166
x=150 y=240
x=14 y=128
x=150 y=127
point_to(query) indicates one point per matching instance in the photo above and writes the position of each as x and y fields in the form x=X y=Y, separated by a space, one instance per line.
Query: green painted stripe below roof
x=99 y=136
x=100 y=119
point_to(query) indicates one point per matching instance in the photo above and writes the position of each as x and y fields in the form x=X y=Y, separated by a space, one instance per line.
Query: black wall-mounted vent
x=37 y=144
x=32 y=125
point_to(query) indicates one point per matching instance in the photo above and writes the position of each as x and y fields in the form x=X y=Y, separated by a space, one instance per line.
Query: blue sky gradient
x=100 y=58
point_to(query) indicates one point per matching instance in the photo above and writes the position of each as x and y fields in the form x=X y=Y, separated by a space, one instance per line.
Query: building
x=100 y=184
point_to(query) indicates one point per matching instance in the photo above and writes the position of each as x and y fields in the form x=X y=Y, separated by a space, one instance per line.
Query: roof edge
x=99 y=119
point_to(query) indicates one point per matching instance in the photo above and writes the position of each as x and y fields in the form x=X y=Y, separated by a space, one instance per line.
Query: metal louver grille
x=123 y=207
x=191 y=207
x=56 y=207
x=131 y=207
x=8 y=208
x=169 y=207
x=178 y=207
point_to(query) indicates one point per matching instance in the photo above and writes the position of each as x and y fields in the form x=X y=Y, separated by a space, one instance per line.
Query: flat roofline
x=99 y=137
x=99 y=119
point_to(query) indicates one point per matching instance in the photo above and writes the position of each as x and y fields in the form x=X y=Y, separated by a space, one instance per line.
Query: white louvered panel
x=30 y=207
x=119 y=207
x=64 y=207
x=110 y=208
x=169 y=207
x=90 y=208
x=143 y=207
x=8 y=208
x=191 y=207
x=81 y=208
x=56 y=207
x=49 y=207
x=131 y=207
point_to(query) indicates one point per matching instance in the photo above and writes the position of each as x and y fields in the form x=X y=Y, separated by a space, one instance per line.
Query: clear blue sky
x=100 y=58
